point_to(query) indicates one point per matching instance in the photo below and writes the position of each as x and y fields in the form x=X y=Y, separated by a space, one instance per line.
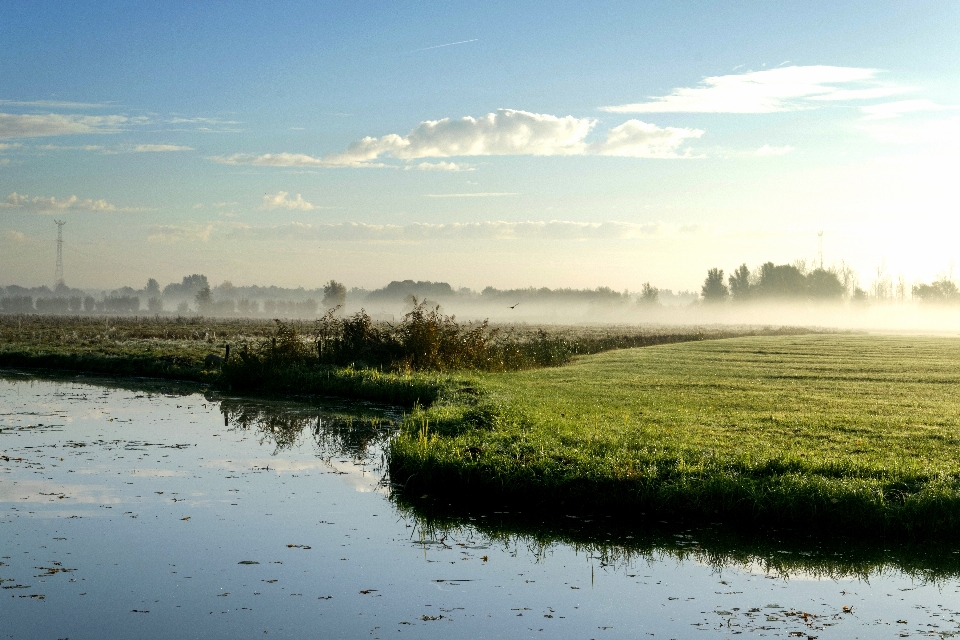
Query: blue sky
x=510 y=144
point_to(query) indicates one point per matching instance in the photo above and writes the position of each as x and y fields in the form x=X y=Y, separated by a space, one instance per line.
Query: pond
x=153 y=510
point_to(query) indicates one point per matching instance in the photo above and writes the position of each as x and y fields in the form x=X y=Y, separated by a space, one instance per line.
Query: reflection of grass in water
x=612 y=544
x=335 y=431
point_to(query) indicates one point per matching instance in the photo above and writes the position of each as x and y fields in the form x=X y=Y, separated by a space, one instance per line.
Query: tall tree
x=740 y=283
x=714 y=290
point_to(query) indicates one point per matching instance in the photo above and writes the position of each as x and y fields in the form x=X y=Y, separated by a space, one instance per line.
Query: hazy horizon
x=517 y=146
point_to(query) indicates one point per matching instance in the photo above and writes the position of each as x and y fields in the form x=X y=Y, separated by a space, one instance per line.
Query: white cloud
x=57 y=104
x=636 y=139
x=38 y=204
x=6 y=146
x=184 y=233
x=768 y=91
x=150 y=148
x=483 y=194
x=15 y=236
x=940 y=132
x=275 y=160
x=440 y=166
x=58 y=147
x=279 y=200
x=505 y=132
x=767 y=150
x=890 y=110
x=53 y=124
x=494 y=230
x=4 y=161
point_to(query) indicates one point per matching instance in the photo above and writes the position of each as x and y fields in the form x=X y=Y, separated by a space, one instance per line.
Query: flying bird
x=514 y=306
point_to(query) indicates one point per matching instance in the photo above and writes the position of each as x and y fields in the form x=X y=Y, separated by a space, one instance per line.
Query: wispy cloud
x=6 y=146
x=15 y=236
x=449 y=44
x=888 y=110
x=768 y=91
x=768 y=150
x=39 y=204
x=58 y=104
x=14 y=125
x=160 y=148
x=493 y=230
x=504 y=132
x=279 y=200
x=440 y=166
x=470 y=195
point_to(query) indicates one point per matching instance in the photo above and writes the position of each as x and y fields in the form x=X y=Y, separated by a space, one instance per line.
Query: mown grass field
x=855 y=433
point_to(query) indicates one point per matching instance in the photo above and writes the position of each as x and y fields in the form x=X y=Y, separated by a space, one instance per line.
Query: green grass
x=853 y=433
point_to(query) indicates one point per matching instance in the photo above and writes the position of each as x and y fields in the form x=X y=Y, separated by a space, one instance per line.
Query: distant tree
x=334 y=293
x=153 y=288
x=183 y=308
x=740 y=283
x=940 y=291
x=781 y=281
x=713 y=288
x=649 y=295
x=204 y=299
x=76 y=304
x=824 y=285
x=155 y=304
x=89 y=304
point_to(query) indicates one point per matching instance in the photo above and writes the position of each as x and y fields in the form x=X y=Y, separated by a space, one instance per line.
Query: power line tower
x=58 y=276
x=820 y=247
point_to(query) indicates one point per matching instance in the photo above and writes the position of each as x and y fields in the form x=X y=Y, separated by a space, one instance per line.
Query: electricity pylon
x=58 y=276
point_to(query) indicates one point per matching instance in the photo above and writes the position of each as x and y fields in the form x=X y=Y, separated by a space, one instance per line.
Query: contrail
x=449 y=44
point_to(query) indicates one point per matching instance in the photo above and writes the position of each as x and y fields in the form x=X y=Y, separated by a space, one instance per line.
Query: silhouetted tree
x=824 y=285
x=940 y=291
x=334 y=294
x=713 y=288
x=740 y=283
x=204 y=299
x=153 y=288
x=781 y=281
x=649 y=295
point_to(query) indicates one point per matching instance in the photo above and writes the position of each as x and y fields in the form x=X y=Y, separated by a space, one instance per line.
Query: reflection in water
x=622 y=545
x=335 y=432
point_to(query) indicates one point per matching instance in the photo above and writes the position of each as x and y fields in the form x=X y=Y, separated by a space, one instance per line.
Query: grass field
x=855 y=433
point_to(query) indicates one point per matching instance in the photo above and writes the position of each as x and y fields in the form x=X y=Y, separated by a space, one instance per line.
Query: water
x=154 y=511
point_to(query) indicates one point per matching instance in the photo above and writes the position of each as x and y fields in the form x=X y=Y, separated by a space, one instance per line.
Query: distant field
x=856 y=432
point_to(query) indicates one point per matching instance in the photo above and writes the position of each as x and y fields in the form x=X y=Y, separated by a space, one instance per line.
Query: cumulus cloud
x=768 y=150
x=493 y=230
x=636 y=139
x=768 y=91
x=159 y=148
x=279 y=200
x=53 y=124
x=38 y=204
x=890 y=110
x=504 y=132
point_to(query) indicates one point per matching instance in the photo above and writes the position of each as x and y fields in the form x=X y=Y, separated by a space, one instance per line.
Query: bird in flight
x=514 y=306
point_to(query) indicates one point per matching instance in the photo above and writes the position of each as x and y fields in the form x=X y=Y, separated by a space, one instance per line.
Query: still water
x=140 y=511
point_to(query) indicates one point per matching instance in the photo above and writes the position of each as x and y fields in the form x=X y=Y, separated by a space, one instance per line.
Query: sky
x=506 y=144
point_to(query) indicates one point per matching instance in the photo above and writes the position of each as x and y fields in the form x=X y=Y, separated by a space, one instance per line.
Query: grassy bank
x=851 y=433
